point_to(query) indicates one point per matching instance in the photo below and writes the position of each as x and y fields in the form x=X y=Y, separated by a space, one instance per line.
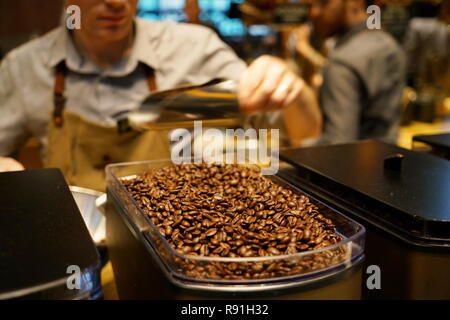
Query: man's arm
x=217 y=57
x=12 y=118
x=341 y=98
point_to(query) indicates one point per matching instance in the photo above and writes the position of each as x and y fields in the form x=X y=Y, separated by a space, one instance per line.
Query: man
x=66 y=87
x=364 y=78
x=427 y=39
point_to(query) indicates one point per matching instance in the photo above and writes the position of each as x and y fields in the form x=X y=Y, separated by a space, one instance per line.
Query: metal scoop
x=213 y=102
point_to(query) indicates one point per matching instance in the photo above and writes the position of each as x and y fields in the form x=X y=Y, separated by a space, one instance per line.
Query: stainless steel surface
x=93 y=217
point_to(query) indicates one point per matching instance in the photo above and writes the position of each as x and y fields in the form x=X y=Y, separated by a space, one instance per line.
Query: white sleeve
x=12 y=114
x=218 y=59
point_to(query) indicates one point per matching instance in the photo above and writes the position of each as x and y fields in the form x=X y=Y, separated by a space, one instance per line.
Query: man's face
x=327 y=16
x=107 y=20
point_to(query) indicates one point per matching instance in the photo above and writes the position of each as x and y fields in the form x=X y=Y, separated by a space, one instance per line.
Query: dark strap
x=59 y=98
x=151 y=79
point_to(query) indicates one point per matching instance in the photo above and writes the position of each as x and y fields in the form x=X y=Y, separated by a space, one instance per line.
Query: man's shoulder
x=368 y=45
x=38 y=49
x=371 y=55
x=374 y=57
x=168 y=30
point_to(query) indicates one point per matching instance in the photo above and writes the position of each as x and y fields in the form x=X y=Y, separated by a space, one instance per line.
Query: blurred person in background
x=312 y=56
x=363 y=79
x=192 y=12
x=427 y=38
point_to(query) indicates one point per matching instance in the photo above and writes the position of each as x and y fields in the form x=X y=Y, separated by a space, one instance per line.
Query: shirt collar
x=63 y=48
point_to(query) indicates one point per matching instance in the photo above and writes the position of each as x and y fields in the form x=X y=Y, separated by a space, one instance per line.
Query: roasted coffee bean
x=273 y=251
x=303 y=247
x=186 y=249
x=168 y=231
x=318 y=240
x=232 y=211
x=185 y=223
x=306 y=234
x=211 y=232
x=243 y=251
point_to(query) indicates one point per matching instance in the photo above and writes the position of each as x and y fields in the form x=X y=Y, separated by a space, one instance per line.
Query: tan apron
x=82 y=149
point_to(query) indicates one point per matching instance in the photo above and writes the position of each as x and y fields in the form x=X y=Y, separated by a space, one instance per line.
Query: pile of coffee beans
x=222 y=210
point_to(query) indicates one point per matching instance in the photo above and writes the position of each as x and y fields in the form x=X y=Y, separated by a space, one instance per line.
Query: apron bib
x=82 y=148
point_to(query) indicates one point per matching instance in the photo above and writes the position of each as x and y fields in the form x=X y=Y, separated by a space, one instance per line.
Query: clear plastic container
x=249 y=274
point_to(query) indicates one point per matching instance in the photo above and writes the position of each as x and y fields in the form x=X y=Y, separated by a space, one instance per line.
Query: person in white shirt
x=65 y=87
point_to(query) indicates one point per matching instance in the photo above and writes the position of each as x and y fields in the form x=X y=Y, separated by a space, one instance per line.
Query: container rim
x=264 y=284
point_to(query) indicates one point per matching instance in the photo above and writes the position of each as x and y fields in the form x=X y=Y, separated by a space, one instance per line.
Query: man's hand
x=268 y=84
x=9 y=164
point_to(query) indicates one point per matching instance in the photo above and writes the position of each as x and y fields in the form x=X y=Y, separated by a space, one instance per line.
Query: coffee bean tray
x=220 y=223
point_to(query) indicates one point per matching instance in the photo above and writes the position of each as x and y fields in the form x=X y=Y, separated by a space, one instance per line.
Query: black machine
x=46 y=251
x=438 y=143
x=400 y=196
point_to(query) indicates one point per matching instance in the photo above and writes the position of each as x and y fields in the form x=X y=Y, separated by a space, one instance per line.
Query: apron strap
x=59 y=97
x=151 y=78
